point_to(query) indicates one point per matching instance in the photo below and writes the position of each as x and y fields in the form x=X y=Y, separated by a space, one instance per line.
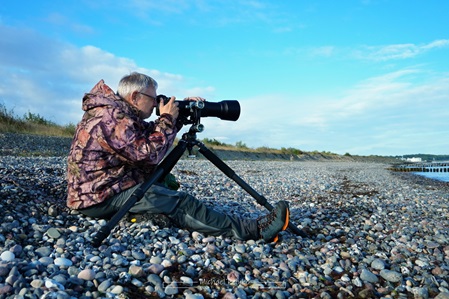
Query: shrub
x=69 y=129
x=213 y=142
x=240 y=144
x=291 y=151
x=36 y=119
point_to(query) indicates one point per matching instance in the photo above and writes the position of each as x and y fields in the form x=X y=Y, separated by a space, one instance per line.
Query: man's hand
x=194 y=99
x=170 y=108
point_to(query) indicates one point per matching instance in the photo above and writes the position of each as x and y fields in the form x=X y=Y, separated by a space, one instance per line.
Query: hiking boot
x=273 y=223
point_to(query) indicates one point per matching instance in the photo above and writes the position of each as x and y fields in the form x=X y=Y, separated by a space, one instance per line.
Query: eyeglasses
x=151 y=97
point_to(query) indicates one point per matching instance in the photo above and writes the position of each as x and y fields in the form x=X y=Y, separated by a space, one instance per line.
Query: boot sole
x=287 y=219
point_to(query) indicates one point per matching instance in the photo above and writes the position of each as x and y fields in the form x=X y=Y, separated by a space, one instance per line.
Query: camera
x=225 y=110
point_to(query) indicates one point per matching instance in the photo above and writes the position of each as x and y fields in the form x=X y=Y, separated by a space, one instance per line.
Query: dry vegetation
x=31 y=123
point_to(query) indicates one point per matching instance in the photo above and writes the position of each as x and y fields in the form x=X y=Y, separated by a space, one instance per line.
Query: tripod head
x=190 y=137
x=193 y=118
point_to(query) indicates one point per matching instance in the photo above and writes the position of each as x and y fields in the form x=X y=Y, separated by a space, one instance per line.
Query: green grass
x=31 y=123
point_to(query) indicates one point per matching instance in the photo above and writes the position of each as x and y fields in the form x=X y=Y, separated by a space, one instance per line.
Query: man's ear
x=133 y=97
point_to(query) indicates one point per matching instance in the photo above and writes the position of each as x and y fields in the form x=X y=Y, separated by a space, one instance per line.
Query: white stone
x=53 y=284
x=7 y=256
x=63 y=262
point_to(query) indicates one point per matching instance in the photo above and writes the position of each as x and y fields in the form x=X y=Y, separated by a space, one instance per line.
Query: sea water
x=440 y=176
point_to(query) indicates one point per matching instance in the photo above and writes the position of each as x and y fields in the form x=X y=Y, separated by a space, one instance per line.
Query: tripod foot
x=298 y=231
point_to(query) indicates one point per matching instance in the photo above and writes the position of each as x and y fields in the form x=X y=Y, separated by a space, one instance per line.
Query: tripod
x=188 y=141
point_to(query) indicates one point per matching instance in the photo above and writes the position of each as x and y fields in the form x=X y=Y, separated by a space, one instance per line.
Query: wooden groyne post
x=423 y=167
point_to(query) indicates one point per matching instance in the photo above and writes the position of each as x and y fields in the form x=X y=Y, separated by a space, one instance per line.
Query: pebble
x=104 y=285
x=117 y=289
x=62 y=262
x=240 y=248
x=368 y=276
x=7 y=256
x=46 y=260
x=53 y=284
x=391 y=276
x=372 y=233
x=53 y=233
x=86 y=274
x=378 y=264
x=171 y=289
x=156 y=268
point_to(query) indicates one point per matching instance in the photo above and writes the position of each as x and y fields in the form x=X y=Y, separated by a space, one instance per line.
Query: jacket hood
x=102 y=95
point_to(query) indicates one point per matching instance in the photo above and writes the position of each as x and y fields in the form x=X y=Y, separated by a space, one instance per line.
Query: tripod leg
x=232 y=175
x=162 y=170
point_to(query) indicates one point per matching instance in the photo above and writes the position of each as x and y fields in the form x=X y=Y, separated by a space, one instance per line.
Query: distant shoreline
x=16 y=144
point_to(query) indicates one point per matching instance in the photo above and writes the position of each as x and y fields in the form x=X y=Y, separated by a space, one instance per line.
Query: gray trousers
x=183 y=209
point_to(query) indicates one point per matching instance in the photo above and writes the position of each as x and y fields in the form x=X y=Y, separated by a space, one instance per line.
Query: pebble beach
x=369 y=233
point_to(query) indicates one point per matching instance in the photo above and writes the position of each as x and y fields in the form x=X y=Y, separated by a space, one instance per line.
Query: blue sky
x=364 y=77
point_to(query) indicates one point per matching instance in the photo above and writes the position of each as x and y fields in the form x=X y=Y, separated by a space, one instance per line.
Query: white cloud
x=442 y=43
x=48 y=77
x=397 y=51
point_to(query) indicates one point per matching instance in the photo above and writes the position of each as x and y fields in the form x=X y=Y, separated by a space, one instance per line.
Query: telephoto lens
x=225 y=110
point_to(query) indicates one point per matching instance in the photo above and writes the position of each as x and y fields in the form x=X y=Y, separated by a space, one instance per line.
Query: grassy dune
x=32 y=123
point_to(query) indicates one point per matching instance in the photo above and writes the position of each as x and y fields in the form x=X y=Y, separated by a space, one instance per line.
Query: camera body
x=191 y=111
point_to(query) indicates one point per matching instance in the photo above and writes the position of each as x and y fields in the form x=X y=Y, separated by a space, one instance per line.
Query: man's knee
x=161 y=200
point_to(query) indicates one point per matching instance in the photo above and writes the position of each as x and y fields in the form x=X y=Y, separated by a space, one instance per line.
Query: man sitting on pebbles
x=114 y=150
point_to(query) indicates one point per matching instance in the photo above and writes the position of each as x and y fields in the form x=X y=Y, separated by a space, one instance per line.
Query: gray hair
x=134 y=82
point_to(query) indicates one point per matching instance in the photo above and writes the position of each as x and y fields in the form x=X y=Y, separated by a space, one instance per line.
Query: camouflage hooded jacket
x=113 y=148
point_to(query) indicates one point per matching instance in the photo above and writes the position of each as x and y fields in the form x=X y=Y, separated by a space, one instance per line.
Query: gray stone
x=104 y=286
x=368 y=276
x=154 y=279
x=391 y=276
x=378 y=264
x=43 y=251
x=138 y=255
x=171 y=289
x=53 y=233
